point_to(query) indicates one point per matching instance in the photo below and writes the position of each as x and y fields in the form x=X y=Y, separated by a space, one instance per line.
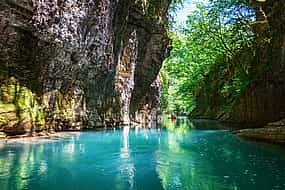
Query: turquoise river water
x=180 y=157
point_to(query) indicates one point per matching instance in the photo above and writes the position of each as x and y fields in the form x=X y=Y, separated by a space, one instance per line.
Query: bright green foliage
x=205 y=62
x=18 y=103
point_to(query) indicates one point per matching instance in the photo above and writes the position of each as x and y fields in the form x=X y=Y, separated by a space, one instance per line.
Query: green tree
x=204 y=52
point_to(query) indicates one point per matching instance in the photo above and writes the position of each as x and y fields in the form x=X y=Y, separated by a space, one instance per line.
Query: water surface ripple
x=181 y=157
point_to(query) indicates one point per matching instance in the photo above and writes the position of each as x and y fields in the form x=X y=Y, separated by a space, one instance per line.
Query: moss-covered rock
x=60 y=72
x=2 y=135
x=20 y=128
x=17 y=105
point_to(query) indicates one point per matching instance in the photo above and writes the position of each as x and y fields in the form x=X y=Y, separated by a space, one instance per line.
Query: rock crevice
x=81 y=63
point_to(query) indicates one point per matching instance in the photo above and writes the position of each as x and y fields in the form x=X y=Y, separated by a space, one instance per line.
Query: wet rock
x=2 y=135
x=273 y=132
x=21 y=128
x=276 y=124
x=271 y=135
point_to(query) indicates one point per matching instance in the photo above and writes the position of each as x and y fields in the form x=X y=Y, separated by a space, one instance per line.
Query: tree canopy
x=205 y=57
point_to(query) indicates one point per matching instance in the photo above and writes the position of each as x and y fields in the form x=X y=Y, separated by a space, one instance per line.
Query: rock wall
x=263 y=101
x=81 y=63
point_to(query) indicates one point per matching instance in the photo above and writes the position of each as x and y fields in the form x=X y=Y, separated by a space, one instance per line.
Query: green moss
x=62 y=109
x=7 y=114
x=19 y=103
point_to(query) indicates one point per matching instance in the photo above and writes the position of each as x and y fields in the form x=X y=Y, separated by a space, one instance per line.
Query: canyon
x=68 y=65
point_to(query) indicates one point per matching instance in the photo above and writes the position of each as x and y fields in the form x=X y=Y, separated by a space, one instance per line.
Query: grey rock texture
x=81 y=63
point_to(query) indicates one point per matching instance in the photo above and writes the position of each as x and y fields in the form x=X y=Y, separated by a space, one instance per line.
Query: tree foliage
x=205 y=55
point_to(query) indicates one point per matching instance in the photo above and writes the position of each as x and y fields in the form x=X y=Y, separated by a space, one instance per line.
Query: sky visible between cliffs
x=189 y=6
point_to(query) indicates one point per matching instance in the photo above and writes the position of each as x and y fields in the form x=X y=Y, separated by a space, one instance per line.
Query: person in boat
x=173 y=117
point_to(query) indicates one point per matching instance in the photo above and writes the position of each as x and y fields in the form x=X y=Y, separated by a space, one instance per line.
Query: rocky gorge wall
x=65 y=65
x=262 y=99
x=260 y=105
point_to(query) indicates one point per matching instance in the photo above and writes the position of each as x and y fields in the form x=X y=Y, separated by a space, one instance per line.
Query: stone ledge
x=274 y=135
x=277 y=123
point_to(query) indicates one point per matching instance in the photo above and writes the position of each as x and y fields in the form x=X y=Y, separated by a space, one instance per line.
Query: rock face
x=263 y=101
x=69 y=64
x=20 y=128
x=273 y=133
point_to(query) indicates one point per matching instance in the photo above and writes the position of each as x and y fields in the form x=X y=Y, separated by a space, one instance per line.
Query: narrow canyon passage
x=142 y=94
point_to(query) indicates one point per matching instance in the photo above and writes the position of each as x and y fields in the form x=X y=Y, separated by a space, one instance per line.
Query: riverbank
x=272 y=133
x=31 y=138
x=47 y=135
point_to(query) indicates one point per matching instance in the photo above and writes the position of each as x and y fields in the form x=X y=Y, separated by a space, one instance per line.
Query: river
x=179 y=156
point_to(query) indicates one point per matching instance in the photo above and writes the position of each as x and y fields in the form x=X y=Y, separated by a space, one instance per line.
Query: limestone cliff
x=65 y=64
x=261 y=100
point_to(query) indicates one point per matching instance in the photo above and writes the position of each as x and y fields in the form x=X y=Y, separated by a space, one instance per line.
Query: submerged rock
x=21 y=128
x=272 y=135
x=273 y=132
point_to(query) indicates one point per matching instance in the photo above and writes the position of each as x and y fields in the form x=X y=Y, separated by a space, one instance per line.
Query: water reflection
x=21 y=165
x=24 y=165
x=211 y=159
x=176 y=165
x=126 y=165
x=179 y=125
x=180 y=157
